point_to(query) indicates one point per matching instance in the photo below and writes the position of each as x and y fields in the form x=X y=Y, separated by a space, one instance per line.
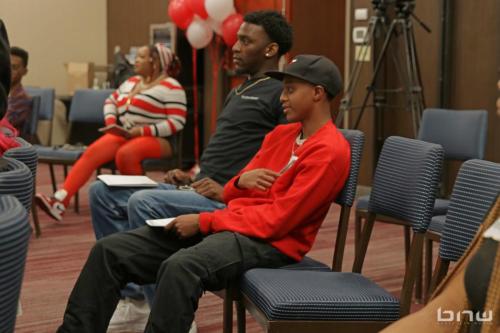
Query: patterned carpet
x=55 y=260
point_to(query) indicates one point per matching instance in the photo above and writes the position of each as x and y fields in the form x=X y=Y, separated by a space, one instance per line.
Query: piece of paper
x=160 y=222
x=493 y=231
x=127 y=181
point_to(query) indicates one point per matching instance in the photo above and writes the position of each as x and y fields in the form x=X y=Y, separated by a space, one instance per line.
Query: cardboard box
x=80 y=75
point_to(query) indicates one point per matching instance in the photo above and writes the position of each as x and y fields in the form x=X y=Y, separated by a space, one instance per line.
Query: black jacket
x=4 y=69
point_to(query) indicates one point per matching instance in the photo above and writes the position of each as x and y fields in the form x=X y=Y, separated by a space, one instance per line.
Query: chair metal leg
x=65 y=168
x=357 y=231
x=419 y=280
x=227 y=325
x=427 y=267
x=53 y=178
x=411 y=272
x=407 y=235
x=363 y=244
x=36 y=222
x=241 y=316
x=439 y=273
x=338 y=255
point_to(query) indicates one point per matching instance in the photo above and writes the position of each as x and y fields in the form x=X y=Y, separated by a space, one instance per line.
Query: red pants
x=127 y=155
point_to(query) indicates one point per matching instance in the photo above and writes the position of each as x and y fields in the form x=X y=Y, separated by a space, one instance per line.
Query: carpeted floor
x=55 y=259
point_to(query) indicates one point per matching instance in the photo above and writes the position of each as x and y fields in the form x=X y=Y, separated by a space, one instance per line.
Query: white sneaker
x=193 y=328
x=130 y=316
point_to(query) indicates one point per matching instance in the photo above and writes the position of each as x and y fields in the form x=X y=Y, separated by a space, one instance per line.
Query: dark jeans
x=182 y=269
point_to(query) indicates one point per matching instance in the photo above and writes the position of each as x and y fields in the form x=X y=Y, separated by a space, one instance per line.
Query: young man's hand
x=261 y=179
x=177 y=177
x=185 y=226
x=209 y=188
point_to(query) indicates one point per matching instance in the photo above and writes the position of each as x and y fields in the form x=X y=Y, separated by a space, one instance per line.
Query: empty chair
x=297 y=301
x=476 y=188
x=46 y=108
x=14 y=235
x=29 y=130
x=462 y=134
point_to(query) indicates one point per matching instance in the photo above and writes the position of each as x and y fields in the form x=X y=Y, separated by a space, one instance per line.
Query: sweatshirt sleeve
x=110 y=110
x=315 y=179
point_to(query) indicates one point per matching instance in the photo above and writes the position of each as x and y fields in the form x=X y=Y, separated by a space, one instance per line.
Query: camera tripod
x=409 y=75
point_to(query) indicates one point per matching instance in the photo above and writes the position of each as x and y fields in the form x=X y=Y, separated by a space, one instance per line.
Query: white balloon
x=215 y=25
x=219 y=10
x=199 y=33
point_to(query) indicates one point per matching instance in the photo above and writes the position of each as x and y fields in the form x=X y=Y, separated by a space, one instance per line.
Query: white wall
x=55 y=32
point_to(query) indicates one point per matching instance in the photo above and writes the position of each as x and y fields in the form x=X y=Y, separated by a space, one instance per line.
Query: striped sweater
x=160 y=110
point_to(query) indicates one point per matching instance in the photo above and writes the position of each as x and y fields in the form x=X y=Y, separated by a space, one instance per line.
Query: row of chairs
x=314 y=299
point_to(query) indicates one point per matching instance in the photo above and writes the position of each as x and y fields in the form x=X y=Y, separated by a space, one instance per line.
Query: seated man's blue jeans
x=115 y=209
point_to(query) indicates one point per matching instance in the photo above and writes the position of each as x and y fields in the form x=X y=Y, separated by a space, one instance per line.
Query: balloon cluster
x=201 y=18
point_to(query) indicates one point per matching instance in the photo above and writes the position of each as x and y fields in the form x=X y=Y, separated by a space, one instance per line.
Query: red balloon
x=180 y=13
x=198 y=7
x=230 y=28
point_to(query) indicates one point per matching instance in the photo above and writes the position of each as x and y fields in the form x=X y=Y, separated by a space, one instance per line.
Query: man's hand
x=261 y=179
x=209 y=188
x=185 y=226
x=135 y=132
x=177 y=177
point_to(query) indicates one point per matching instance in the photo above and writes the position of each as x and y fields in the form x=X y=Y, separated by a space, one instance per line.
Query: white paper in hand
x=127 y=181
x=160 y=222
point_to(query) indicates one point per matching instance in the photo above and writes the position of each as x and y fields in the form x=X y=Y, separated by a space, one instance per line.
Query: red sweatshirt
x=288 y=215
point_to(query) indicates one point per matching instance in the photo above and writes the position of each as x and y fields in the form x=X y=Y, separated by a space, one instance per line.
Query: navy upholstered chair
x=86 y=108
x=46 y=108
x=47 y=98
x=317 y=301
x=14 y=235
x=29 y=130
x=475 y=190
x=345 y=199
x=462 y=134
x=27 y=154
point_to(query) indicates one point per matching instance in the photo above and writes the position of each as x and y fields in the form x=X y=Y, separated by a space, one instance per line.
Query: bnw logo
x=446 y=316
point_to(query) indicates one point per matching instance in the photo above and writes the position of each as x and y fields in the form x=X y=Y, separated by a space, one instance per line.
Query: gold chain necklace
x=250 y=86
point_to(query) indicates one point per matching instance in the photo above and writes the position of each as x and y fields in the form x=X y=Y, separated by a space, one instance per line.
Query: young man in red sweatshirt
x=275 y=207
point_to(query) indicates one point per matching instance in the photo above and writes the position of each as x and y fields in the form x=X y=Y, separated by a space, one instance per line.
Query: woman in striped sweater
x=150 y=106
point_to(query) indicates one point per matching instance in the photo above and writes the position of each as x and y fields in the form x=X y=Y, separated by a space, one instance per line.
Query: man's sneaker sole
x=47 y=208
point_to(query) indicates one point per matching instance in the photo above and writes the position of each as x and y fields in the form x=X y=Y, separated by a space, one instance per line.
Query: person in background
x=250 y=111
x=275 y=207
x=7 y=132
x=19 y=102
x=150 y=106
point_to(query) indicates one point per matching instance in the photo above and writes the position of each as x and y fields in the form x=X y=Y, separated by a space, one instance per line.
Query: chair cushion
x=440 y=206
x=308 y=295
x=437 y=223
x=308 y=264
x=61 y=154
x=362 y=202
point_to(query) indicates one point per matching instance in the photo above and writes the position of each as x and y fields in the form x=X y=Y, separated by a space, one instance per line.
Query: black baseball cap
x=314 y=69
